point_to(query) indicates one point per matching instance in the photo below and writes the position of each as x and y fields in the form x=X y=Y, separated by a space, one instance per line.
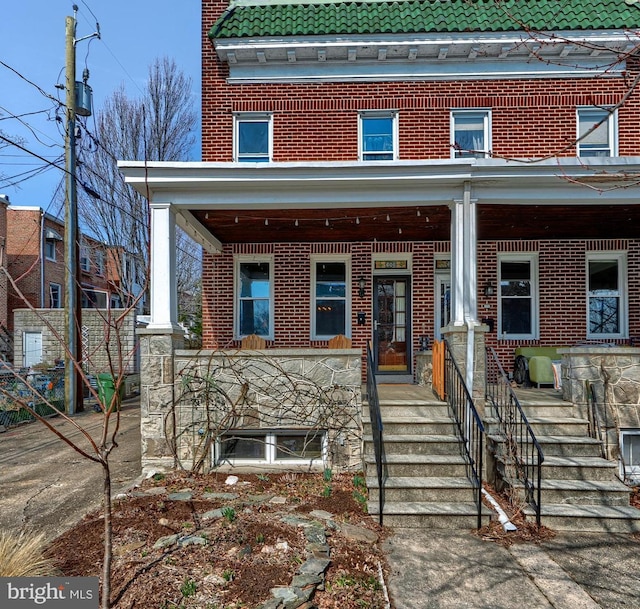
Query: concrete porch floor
x=396 y=391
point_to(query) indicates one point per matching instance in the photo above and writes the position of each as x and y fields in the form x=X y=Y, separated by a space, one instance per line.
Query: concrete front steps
x=424 y=480
x=580 y=489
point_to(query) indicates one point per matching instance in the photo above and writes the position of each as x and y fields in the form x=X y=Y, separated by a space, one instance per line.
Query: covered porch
x=369 y=213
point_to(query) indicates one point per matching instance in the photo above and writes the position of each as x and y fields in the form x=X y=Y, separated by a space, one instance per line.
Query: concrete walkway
x=438 y=569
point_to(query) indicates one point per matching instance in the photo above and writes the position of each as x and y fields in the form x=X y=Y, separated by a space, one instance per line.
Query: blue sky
x=32 y=42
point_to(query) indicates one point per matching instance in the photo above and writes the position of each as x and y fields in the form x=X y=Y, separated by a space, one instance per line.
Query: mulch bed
x=246 y=554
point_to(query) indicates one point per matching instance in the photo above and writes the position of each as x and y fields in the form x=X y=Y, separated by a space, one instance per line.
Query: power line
x=33 y=84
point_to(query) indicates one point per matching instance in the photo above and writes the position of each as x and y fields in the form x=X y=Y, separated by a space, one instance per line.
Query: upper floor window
x=100 y=262
x=329 y=299
x=85 y=260
x=254 y=304
x=50 y=249
x=470 y=133
x=50 y=238
x=518 y=297
x=253 y=138
x=596 y=132
x=378 y=135
x=606 y=295
x=55 y=300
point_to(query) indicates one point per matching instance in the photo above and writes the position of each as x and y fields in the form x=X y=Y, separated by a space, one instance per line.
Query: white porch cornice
x=193 y=185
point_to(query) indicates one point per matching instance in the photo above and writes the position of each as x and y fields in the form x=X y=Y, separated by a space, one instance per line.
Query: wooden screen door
x=392 y=341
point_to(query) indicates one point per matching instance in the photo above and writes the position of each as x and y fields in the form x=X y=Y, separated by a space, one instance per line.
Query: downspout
x=42 y=259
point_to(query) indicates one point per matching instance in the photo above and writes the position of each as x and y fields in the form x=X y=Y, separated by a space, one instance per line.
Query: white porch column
x=164 y=293
x=464 y=282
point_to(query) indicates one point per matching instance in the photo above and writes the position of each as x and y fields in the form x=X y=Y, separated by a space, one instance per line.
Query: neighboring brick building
x=389 y=169
x=35 y=261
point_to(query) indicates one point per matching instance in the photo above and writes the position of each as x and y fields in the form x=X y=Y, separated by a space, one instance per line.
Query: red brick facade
x=34 y=268
x=533 y=117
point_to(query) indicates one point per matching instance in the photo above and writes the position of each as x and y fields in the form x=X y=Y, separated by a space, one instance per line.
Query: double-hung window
x=55 y=300
x=329 y=299
x=254 y=304
x=596 y=132
x=605 y=294
x=470 y=133
x=50 y=249
x=518 y=297
x=85 y=259
x=253 y=138
x=378 y=136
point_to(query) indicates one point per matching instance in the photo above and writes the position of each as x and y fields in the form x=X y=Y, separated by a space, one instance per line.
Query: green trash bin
x=106 y=389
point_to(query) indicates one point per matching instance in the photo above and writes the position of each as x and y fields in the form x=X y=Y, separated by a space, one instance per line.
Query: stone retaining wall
x=614 y=373
x=188 y=398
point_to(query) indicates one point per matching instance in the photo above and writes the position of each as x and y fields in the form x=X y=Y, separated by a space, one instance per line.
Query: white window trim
x=612 y=128
x=270 y=448
x=395 y=132
x=251 y=117
x=51 y=286
x=532 y=258
x=236 y=293
x=621 y=259
x=85 y=255
x=627 y=471
x=99 y=261
x=486 y=117
x=315 y=259
x=107 y=298
x=50 y=242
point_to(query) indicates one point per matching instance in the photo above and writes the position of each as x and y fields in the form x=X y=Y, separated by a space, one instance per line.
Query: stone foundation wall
x=614 y=374
x=189 y=398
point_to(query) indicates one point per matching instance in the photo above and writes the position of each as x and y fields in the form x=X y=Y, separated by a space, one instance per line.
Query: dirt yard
x=230 y=544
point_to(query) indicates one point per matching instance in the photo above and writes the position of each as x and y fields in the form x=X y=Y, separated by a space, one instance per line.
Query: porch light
x=489 y=289
x=362 y=282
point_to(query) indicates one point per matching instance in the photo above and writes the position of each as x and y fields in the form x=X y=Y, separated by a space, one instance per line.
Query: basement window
x=252 y=447
x=630 y=455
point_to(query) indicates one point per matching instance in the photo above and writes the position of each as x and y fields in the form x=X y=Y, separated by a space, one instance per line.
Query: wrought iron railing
x=595 y=430
x=522 y=452
x=468 y=423
x=376 y=427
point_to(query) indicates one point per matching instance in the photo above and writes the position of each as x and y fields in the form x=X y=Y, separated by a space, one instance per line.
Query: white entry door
x=31 y=349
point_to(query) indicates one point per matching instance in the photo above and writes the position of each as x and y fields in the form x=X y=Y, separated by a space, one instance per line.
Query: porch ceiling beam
x=198 y=232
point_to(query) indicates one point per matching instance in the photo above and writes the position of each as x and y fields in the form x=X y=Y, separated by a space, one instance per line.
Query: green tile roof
x=421 y=16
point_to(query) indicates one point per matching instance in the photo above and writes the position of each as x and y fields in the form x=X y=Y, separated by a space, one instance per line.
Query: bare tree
x=158 y=126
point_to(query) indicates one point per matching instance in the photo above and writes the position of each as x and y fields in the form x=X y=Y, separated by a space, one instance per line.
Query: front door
x=443 y=303
x=31 y=349
x=392 y=341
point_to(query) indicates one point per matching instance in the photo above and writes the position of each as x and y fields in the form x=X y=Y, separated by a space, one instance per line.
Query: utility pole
x=73 y=394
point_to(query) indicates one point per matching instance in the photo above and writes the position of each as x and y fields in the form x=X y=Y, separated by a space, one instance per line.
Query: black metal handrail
x=376 y=427
x=522 y=447
x=468 y=423
x=595 y=430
